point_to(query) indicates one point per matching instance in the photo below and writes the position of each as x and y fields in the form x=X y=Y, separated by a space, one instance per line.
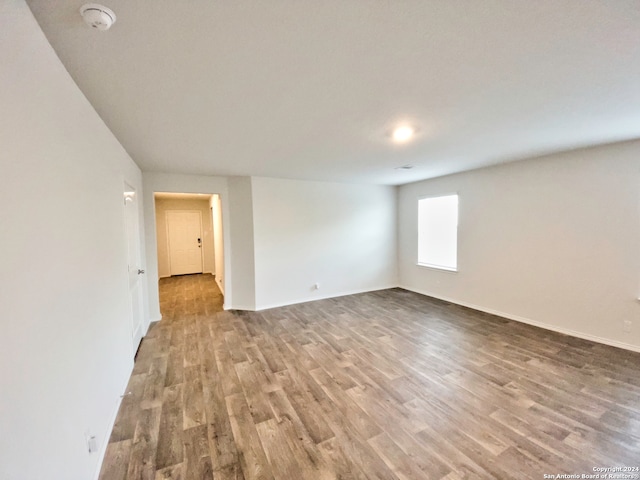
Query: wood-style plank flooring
x=382 y=385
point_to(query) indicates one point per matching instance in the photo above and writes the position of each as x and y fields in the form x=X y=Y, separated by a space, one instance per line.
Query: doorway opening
x=189 y=235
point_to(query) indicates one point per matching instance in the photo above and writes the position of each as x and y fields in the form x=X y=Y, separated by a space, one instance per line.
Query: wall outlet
x=92 y=444
x=626 y=326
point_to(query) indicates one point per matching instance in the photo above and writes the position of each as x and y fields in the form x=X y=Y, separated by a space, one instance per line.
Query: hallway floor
x=381 y=385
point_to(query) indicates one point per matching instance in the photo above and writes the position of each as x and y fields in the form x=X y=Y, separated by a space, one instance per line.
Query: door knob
x=140 y=272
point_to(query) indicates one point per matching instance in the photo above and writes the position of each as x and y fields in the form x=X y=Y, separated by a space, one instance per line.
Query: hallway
x=162 y=422
x=387 y=385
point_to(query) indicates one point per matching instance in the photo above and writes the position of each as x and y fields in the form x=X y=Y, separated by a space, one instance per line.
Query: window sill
x=438 y=267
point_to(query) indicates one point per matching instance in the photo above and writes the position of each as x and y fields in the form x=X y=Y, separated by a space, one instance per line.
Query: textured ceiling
x=310 y=89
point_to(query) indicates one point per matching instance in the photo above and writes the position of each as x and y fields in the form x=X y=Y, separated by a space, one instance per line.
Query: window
x=438 y=232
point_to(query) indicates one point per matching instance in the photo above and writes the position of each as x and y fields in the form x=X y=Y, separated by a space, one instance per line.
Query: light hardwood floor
x=383 y=385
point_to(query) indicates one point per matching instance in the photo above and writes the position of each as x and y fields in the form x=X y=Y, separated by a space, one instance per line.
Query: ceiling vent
x=98 y=16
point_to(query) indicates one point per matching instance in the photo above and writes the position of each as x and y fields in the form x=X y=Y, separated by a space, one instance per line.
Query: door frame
x=166 y=222
x=130 y=194
x=155 y=184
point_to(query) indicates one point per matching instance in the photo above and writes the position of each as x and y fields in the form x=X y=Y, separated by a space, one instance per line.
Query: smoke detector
x=98 y=16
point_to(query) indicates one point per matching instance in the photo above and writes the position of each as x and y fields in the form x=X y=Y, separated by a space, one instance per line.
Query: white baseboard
x=148 y=324
x=112 y=422
x=240 y=307
x=139 y=332
x=528 y=321
x=322 y=297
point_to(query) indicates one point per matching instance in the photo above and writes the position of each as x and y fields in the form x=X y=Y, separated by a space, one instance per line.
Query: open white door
x=184 y=234
x=134 y=266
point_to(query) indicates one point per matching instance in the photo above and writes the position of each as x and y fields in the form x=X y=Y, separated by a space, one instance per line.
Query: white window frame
x=444 y=268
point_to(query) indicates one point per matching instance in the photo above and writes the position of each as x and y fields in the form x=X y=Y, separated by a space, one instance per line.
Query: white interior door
x=184 y=234
x=134 y=264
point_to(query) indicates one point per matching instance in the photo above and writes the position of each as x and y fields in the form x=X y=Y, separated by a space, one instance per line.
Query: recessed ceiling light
x=403 y=133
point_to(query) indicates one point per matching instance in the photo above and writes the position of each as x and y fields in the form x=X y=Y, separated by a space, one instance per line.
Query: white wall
x=208 y=254
x=218 y=239
x=282 y=236
x=65 y=334
x=553 y=241
x=241 y=244
x=338 y=235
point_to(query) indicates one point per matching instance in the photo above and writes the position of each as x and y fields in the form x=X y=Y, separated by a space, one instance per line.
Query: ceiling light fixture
x=98 y=16
x=403 y=133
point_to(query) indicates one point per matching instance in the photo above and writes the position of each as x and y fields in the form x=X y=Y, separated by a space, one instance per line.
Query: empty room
x=355 y=239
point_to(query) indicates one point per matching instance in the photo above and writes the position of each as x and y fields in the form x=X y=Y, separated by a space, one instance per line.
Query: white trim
x=149 y=325
x=528 y=321
x=112 y=422
x=239 y=307
x=438 y=195
x=438 y=267
x=137 y=331
x=325 y=297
